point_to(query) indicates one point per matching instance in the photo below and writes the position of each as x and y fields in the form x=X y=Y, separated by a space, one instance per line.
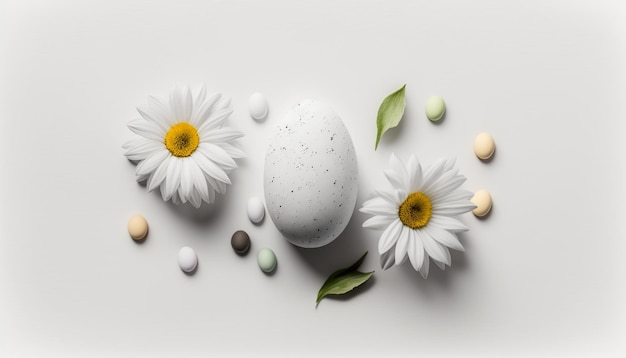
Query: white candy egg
x=187 y=259
x=311 y=175
x=258 y=106
x=256 y=211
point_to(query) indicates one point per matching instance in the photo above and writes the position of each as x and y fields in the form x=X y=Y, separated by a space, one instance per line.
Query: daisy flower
x=183 y=147
x=418 y=214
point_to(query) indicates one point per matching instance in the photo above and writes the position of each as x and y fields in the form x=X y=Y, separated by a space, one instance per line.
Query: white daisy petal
x=159 y=174
x=425 y=266
x=380 y=211
x=441 y=265
x=414 y=170
x=378 y=222
x=387 y=259
x=401 y=196
x=444 y=237
x=397 y=175
x=396 y=164
x=218 y=155
x=175 y=198
x=146 y=129
x=199 y=183
x=453 y=196
x=214 y=121
x=150 y=164
x=433 y=173
x=200 y=96
x=211 y=183
x=223 y=103
x=394 y=178
x=376 y=201
x=443 y=187
x=142 y=177
x=415 y=250
x=179 y=192
x=402 y=245
x=449 y=165
x=233 y=151
x=389 y=236
x=163 y=188
x=161 y=109
x=447 y=223
x=379 y=206
x=211 y=195
x=221 y=135
x=150 y=114
x=217 y=185
x=140 y=148
x=187 y=103
x=433 y=248
x=209 y=167
x=172 y=182
x=181 y=104
x=186 y=180
x=454 y=208
x=195 y=199
x=394 y=198
x=204 y=110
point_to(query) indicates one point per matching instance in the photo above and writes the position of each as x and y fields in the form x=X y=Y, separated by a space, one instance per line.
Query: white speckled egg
x=311 y=175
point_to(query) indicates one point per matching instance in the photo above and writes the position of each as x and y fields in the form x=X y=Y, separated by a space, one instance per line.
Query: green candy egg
x=435 y=108
x=267 y=260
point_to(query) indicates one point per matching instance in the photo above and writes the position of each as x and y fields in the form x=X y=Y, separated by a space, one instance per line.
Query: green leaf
x=344 y=280
x=390 y=113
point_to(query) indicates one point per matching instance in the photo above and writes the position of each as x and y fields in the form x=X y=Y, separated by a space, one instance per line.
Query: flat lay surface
x=543 y=273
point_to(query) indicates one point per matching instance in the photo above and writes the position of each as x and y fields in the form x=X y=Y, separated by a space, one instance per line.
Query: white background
x=544 y=274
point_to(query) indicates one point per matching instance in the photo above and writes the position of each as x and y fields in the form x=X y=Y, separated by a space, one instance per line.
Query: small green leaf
x=390 y=113
x=344 y=280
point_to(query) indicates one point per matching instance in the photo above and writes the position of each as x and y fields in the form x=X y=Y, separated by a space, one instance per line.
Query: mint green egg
x=435 y=108
x=267 y=260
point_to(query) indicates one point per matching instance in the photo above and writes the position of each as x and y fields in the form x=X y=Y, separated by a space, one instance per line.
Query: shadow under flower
x=443 y=278
x=206 y=215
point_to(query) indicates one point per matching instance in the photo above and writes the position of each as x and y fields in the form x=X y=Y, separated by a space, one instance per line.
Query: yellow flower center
x=416 y=210
x=182 y=139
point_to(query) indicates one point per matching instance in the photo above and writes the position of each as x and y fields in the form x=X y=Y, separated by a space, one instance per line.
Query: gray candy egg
x=311 y=175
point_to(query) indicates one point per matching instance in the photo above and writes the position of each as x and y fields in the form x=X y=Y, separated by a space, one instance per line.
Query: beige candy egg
x=137 y=227
x=484 y=146
x=482 y=200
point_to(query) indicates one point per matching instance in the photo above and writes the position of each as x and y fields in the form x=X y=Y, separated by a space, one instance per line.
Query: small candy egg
x=484 y=146
x=137 y=227
x=256 y=210
x=187 y=259
x=257 y=106
x=267 y=260
x=435 y=108
x=483 y=202
x=240 y=242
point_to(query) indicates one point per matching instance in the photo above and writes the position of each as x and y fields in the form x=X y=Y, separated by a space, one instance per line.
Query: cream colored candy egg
x=137 y=227
x=484 y=146
x=482 y=200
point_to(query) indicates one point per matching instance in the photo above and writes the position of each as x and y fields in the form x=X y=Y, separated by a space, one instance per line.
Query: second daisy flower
x=418 y=215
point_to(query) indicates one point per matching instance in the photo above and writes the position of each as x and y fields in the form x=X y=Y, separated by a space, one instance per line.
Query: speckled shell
x=311 y=175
